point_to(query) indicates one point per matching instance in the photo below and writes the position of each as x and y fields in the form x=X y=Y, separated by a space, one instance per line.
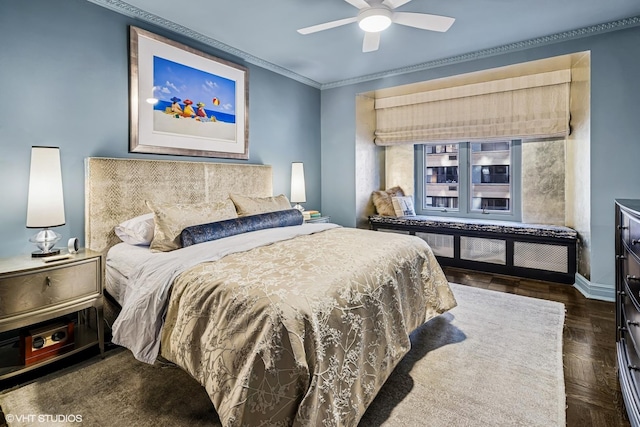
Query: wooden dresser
x=628 y=304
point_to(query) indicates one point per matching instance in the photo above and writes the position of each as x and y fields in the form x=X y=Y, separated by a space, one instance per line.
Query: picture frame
x=185 y=102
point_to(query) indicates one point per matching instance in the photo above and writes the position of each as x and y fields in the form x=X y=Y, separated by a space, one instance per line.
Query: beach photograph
x=192 y=102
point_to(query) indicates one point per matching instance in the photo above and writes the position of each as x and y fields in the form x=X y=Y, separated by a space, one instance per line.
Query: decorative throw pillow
x=403 y=206
x=382 y=200
x=136 y=231
x=256 y=205
x=231 y=227
x=170 y=220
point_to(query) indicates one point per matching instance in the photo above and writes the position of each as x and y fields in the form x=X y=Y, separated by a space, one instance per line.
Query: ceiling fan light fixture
x=375 y=19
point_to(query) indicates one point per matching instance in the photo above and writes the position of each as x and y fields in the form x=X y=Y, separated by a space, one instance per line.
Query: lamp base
x=42 y=254
x=299 y=207
x=45 y=240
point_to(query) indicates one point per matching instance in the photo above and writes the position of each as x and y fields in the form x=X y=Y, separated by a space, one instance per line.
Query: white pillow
x=403 y=206
x=137 y=231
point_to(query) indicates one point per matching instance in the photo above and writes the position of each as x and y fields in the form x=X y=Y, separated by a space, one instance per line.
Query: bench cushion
x=424 y=222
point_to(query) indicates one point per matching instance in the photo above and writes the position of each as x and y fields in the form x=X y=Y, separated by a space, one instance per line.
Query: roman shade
x=525 y=107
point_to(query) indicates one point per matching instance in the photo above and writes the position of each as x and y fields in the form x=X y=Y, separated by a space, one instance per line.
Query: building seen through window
x=487 y=185
x=441 y=176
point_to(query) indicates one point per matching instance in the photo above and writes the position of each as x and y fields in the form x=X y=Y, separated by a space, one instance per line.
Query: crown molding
x=484 y=53
x=134 y=12
x=126 y=9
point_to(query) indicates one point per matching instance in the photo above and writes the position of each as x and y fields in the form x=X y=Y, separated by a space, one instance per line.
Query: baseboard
x=594 y=290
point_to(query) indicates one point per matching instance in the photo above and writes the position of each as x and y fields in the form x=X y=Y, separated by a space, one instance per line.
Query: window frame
x=464 y=185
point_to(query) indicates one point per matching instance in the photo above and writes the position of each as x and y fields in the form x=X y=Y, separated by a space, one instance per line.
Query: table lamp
x=297 y=185
x=45 y=206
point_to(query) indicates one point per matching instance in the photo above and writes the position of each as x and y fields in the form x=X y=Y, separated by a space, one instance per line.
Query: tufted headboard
x=116 y=189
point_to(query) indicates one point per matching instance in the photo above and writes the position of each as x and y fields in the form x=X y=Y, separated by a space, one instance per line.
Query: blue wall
x=64 y=82
x=615 y=131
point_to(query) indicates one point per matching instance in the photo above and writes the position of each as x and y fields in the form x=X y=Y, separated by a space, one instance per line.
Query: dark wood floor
x=593 y=393
x=589 y=352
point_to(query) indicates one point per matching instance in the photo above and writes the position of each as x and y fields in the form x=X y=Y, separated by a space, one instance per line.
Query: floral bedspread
x=305 y=331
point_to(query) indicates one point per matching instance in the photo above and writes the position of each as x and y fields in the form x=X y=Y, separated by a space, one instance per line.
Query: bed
x=296 y=325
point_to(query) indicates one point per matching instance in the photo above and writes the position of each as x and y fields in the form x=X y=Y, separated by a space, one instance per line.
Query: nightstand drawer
x=28 y=291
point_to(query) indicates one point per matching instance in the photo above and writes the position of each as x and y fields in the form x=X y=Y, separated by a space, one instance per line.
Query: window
x=441 y=176
x=485 y=187
x=490 y=178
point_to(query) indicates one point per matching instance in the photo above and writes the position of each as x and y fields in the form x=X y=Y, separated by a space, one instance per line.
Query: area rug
x=495 y=360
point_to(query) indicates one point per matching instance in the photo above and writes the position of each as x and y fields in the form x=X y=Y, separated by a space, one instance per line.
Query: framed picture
x=184 y=101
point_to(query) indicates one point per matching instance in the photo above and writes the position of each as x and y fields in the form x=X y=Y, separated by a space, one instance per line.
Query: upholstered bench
x=544 y=252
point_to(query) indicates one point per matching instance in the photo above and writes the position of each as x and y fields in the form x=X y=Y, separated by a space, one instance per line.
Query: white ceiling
x=264 y=32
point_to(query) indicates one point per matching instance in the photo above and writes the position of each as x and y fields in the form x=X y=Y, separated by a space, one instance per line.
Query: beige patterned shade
x=533 y=106
x=116 y=189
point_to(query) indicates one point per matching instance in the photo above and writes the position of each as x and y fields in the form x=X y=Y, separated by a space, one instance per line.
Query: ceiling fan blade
x=371 y=42
x=423 y=21
x=395 y=3
x=327 y=25
x=360 y=4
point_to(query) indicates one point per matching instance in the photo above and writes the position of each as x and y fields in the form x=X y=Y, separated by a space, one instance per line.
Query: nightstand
x=318 y=219
x=36 y=296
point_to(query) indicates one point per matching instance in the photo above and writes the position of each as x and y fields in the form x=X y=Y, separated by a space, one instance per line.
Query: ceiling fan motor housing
x=375 y=19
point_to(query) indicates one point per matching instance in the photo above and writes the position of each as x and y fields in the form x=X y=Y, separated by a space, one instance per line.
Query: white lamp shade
x=298 y=194
x=45 y=206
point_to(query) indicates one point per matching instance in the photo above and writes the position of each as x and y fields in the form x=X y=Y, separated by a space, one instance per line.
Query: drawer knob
x=635 y=241
x=635 y=278
x=622 y=328
x=633 y=368
x=630 y=323
x=621 y=293
x=622 y=227
x=48 y=281
x=621 y=257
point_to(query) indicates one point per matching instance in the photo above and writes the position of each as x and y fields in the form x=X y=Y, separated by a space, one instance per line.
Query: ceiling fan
x=376 y=15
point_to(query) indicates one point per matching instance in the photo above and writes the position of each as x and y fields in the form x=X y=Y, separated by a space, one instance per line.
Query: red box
x=46 y=341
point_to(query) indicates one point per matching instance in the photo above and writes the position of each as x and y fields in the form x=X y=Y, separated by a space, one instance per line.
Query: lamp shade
x=45 y=206
x=298 y=194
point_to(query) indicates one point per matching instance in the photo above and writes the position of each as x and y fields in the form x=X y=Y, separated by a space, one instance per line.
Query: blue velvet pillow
x=230 y=227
